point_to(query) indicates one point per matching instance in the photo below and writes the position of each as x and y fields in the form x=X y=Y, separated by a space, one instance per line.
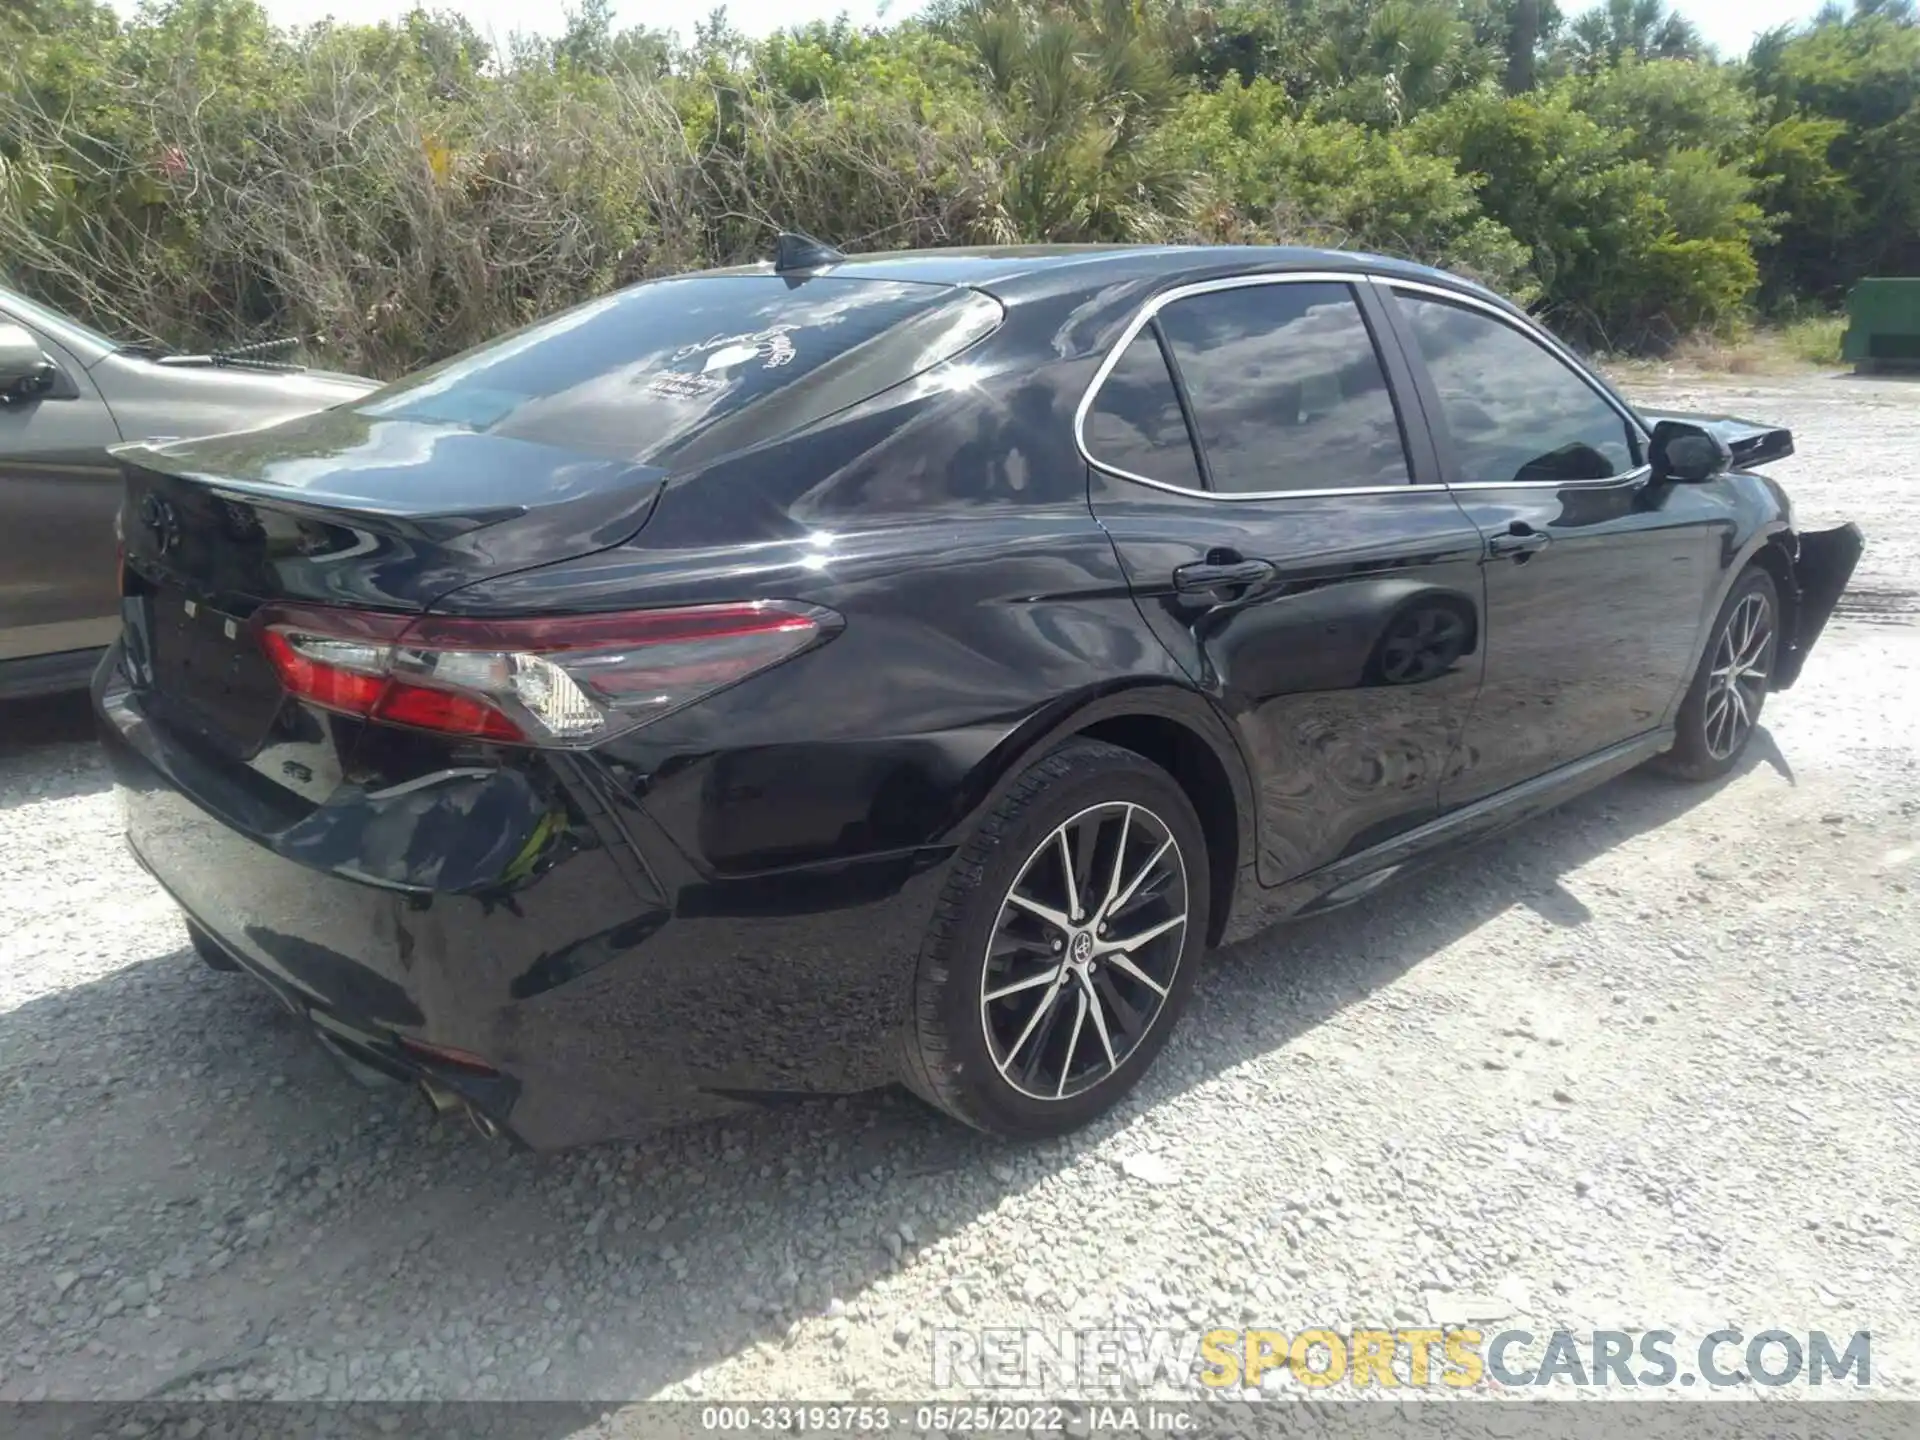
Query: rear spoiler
x=329 y=506
x=1751 y=442
x=435 y=506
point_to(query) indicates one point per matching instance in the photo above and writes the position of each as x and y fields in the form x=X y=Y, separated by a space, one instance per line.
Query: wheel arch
x=1770 y=545
x=1173 y=728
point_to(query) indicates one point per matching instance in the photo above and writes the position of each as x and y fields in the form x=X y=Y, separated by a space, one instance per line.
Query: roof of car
x=1017 y=271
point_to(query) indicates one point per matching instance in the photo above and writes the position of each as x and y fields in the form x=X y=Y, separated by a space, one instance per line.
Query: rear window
x=1136 y=425
x=694 y=367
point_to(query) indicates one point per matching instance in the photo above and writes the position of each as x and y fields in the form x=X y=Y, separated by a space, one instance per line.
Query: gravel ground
x=1649 y=1062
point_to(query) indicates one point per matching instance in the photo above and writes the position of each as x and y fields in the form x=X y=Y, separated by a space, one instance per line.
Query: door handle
x=1220 y=575
x=1518 y=541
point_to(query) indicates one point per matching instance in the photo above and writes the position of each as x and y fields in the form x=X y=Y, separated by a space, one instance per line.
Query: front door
x=58 y=495
x=1595 y=577
x=1280 y=519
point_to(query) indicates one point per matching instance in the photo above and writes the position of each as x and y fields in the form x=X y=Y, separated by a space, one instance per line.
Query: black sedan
x=799 y=677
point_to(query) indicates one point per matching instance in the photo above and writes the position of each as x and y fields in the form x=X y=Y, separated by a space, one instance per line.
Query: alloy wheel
x=1084 y=950
x=1738 y=680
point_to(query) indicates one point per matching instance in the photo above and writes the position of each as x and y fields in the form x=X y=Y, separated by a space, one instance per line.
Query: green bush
x=397 y=192
x=1842 y=160
x=1629 y=253
x=1656 y=106
x=1272 y=176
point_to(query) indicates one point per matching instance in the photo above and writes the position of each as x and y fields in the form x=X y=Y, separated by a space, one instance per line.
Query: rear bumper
x=374 y=1057
x=1821 y=571
x=609 y=1002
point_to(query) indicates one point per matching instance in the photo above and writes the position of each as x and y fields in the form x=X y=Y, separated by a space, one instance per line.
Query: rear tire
x=209 y=951
x=1722 y=706
x=1025 y=1026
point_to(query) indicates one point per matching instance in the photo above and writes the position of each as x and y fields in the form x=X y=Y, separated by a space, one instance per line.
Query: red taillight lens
x=565 y=680
x=446 y=1055
x=444 y=710
x=309 y=667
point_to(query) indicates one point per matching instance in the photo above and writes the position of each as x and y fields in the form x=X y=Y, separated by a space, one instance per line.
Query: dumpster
x=1883 y=325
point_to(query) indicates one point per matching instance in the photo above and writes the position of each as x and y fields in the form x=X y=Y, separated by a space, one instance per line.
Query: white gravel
x=1649 y=1062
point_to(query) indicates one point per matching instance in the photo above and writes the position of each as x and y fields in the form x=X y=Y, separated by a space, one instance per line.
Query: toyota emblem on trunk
x=157 y=515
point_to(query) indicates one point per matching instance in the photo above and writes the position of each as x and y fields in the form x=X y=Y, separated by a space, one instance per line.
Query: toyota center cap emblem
x=1082 y=948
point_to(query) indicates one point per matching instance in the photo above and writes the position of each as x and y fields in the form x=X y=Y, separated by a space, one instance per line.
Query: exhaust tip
x=443 y=1102
x=440 y=1100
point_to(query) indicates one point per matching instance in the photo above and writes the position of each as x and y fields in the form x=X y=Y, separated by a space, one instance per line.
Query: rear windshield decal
x=681 y=365
x=770 y=345
x=722 y=353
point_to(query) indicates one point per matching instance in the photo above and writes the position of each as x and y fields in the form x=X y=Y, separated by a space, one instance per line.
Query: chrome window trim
x=1547 y=342
x=1634 y=476
x=1205 y=287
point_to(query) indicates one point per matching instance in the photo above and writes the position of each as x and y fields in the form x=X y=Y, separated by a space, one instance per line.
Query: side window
x=1286 y=388
x=1135 y=422
x=1513 y=407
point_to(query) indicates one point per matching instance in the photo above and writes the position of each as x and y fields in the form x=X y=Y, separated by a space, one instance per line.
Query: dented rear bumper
x=1821 y=571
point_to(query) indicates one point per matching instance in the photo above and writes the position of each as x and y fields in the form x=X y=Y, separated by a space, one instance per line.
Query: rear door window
x=1135 y=424
x=656 y=371
x=1287 y=390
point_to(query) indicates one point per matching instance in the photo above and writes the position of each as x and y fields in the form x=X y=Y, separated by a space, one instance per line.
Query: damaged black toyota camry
x=795 y=678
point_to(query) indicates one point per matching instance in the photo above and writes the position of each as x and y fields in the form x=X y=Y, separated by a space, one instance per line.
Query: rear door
x=1278 y=510
x=1595 y=578
x=58 y=495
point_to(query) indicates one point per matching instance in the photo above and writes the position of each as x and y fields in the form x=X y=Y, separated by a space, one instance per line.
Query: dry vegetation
x=396 y=193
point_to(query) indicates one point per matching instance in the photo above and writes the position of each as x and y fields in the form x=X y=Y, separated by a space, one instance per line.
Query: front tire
x=1722 y=706
x=1063 y=948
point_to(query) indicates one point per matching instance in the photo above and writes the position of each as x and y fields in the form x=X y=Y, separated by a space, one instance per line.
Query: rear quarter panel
x=798 y=825
x=947 y=521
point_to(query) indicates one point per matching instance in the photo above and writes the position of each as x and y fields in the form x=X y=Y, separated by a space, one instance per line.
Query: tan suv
x=66 y=394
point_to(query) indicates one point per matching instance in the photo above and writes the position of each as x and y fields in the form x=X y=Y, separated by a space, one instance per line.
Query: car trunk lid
x=539 y=447
x=346 y=508
x=336 y=509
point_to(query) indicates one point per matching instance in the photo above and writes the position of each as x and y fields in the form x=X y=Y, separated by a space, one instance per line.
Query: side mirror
x=1688 y=453
x=25 y=370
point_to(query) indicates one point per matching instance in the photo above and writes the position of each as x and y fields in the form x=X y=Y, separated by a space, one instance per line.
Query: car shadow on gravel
x=310 y=1238
x=32 y=732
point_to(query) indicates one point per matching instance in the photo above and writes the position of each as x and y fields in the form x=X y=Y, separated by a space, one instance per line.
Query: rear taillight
x=556 y=680
x=446 y=1055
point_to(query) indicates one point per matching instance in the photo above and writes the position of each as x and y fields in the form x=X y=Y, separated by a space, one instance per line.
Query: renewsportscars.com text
x=1415 y=1358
